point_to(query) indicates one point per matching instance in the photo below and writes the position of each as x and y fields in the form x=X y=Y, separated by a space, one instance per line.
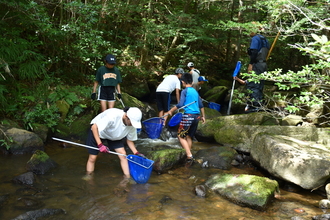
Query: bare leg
x=185 y=144
x=111 y=104
x=103 y=105
x=91 y=163
x=189 y=140
x=161 y=113
x=123 y=162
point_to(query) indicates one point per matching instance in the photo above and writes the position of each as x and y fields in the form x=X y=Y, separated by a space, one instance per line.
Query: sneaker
x=87 y=177
x=189 y=162
x=251 y=110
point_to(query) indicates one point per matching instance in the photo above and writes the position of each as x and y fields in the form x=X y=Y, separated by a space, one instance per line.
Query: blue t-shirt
x=189 y=95
x=258 y=41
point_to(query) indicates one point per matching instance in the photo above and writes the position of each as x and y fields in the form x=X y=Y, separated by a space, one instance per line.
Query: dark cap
x=111 y=59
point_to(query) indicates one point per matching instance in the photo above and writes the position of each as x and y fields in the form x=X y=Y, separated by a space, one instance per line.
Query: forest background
x=50 y=49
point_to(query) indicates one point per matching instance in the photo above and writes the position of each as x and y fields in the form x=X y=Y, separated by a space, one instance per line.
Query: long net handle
x=271 y=48
x=83 y=145
x=231 y=98
x=180 y=108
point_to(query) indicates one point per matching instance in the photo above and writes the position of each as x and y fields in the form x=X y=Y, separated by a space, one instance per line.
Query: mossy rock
x=78 y=128
x=216 y=94
x=63 y=108
x=246 y=190
x=166 y=159
x=40 y=163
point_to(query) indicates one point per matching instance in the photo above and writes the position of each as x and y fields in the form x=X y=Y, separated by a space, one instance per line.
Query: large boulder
x=291 y=153
x=304 y=163
x=246 y=190
x=228 y=125
x=19 y=141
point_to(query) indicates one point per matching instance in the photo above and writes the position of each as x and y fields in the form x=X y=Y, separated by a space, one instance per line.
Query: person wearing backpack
x=194 y=72
x=258 y=50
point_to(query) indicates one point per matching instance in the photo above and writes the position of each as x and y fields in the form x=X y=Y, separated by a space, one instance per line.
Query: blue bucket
x=154 y=127
x=140 y=168
x=215 y=106
x=175 y=120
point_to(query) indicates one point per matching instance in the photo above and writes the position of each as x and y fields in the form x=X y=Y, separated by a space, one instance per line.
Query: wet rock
x=245 y=190
x=327 y=189
x=239 y=158
x=166 y=159
x=25 y=178
x=235 y=163
x=291 y=187
x=32 y=215
x=40 y=163
x=200 y=190
x=324 y=204
x=321 y=217
x=165 y=200
x=217 y=157
x=27 y=191
x=298 y=218
x=3 y=200
x=28 y=203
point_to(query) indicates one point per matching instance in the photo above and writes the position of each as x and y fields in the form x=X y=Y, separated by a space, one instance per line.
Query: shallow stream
x=165 y=196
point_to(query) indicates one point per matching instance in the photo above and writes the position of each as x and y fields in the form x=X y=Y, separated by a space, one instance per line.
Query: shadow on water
x=166 y=196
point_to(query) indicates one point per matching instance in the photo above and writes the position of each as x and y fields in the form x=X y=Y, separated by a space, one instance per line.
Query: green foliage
x=62 y=93
x=311 y=83
x=6 y=140
x=47 y=44
x=42 y=114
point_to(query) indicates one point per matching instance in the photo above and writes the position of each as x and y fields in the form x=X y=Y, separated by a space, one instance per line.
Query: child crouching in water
x=191 y=116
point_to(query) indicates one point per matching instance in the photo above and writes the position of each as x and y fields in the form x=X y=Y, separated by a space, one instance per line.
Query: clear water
x=165 y=196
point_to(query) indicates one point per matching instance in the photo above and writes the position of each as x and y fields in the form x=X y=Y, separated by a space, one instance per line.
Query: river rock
x=296 y=154
x=246 y=190
x=216 y=157
x=36 y=214
x=166 y=159
x=303 y=163
x=292 y=120
x=200 y=190
x=40 y=163
x=19 y=141
x=321 y=217
x=25 y=178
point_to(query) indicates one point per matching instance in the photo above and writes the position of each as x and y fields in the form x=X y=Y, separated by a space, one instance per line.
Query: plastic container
x=140 y=168
x=215 y=106
x=175 y=120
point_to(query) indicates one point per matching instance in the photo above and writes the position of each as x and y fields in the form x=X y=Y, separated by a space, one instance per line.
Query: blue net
x=215 y=106
x=175 y=120
x=140 y=168
x=153 y=127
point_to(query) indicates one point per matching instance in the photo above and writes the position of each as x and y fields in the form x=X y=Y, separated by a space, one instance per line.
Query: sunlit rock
x=246 y=190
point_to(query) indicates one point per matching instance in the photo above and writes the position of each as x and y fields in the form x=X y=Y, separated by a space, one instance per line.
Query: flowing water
x=165 y=196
